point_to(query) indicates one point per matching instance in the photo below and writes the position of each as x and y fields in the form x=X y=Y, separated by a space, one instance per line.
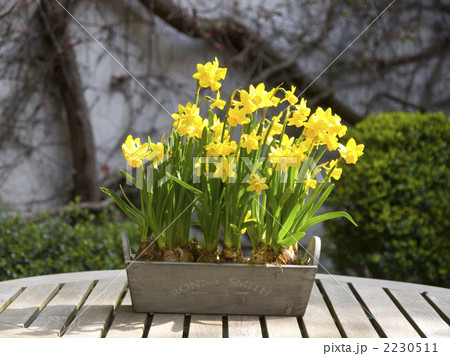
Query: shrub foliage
x=399 y=195
x=77 y=240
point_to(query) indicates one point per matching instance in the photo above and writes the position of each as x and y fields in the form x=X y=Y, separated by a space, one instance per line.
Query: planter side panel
x=220 y=289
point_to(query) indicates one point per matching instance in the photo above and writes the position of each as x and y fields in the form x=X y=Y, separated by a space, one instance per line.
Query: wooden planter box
x=204 y=288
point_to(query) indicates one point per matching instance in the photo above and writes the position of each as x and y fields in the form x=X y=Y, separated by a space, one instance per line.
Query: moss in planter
x=77 y=240
x=399 y=194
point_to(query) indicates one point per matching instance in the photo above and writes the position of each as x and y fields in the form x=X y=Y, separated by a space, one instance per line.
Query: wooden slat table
x=98 y=304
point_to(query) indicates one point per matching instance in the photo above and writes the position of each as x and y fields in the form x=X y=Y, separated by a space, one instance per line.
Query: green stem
x=143 y=193
x=288 y=110
x=197 y=92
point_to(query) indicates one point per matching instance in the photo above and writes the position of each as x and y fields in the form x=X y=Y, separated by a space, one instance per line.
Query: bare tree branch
x=9 y=11
x=68 y=80
x=427 y=53
x=240 y=36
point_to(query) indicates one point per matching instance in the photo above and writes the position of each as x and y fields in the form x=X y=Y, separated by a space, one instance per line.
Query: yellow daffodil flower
x=290 y=96
x=189 y=112
x=310 y=183
x=296 y=119
x=156 y=155
x=225 y=169
x=335 y=126
x=257 y=184
x=237 y=116
x=337 y=172
x=218 y=102
x=299 y=153
x=217 y=128
x=286 y=141
x=133 y=151
x=329 y=140
x=282 y=158
x=260 y=97
x=216 y=149
x=299 y=115
x=208 y=75
x=351 y=152
x=188 y=121
x=197 y=128
x=302 y=108
x=250 y=141
x=246 y=101
x=275 y=101
x=256 y=98
x=316 y=123
x=276 y=129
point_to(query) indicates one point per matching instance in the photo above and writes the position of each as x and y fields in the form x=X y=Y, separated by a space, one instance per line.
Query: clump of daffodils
x=239 y=170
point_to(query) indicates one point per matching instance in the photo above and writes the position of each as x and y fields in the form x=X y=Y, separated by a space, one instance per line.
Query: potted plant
x=236 y=173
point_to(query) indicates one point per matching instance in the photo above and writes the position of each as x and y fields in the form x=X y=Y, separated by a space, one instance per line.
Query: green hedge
x=74 y=241
x=399 y=194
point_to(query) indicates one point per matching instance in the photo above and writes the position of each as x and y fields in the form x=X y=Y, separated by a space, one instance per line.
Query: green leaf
x=129 y=177
x=286 y=226
x=187 y=186
x=128 y=202
x=306 y=209
x=287 y=193
x=133 y=214
x=273 y=205
x=322 y=199
x=327 y=216
x=292 y=239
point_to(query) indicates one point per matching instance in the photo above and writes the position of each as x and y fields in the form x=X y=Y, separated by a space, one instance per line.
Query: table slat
x=244 y=326
x=205 y=326
x=14 y=331
x=385 y=312
x=27 y=305
x=127 y=323
x=7 y=294
x=350 y=315
x=283 y=326
x=317 y=319
x=422 y=313
x=55 y=316
x=167 y=325
x=91 y=319
x=442 y=302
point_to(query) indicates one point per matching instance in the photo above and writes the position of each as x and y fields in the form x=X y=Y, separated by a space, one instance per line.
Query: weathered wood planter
x=203 y=288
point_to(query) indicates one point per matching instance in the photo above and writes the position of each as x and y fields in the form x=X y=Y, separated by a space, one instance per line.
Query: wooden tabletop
x=97 y=304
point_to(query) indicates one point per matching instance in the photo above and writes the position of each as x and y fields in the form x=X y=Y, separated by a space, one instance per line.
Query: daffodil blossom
x=225 y=169
x=310 y=183
x=237 y=116
x=351 y=152
x=250 y=141
x=208 y=75
x=257 y=184
x=337 y=172
x=133 y=151
x=290 y=96
x=218 y=102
